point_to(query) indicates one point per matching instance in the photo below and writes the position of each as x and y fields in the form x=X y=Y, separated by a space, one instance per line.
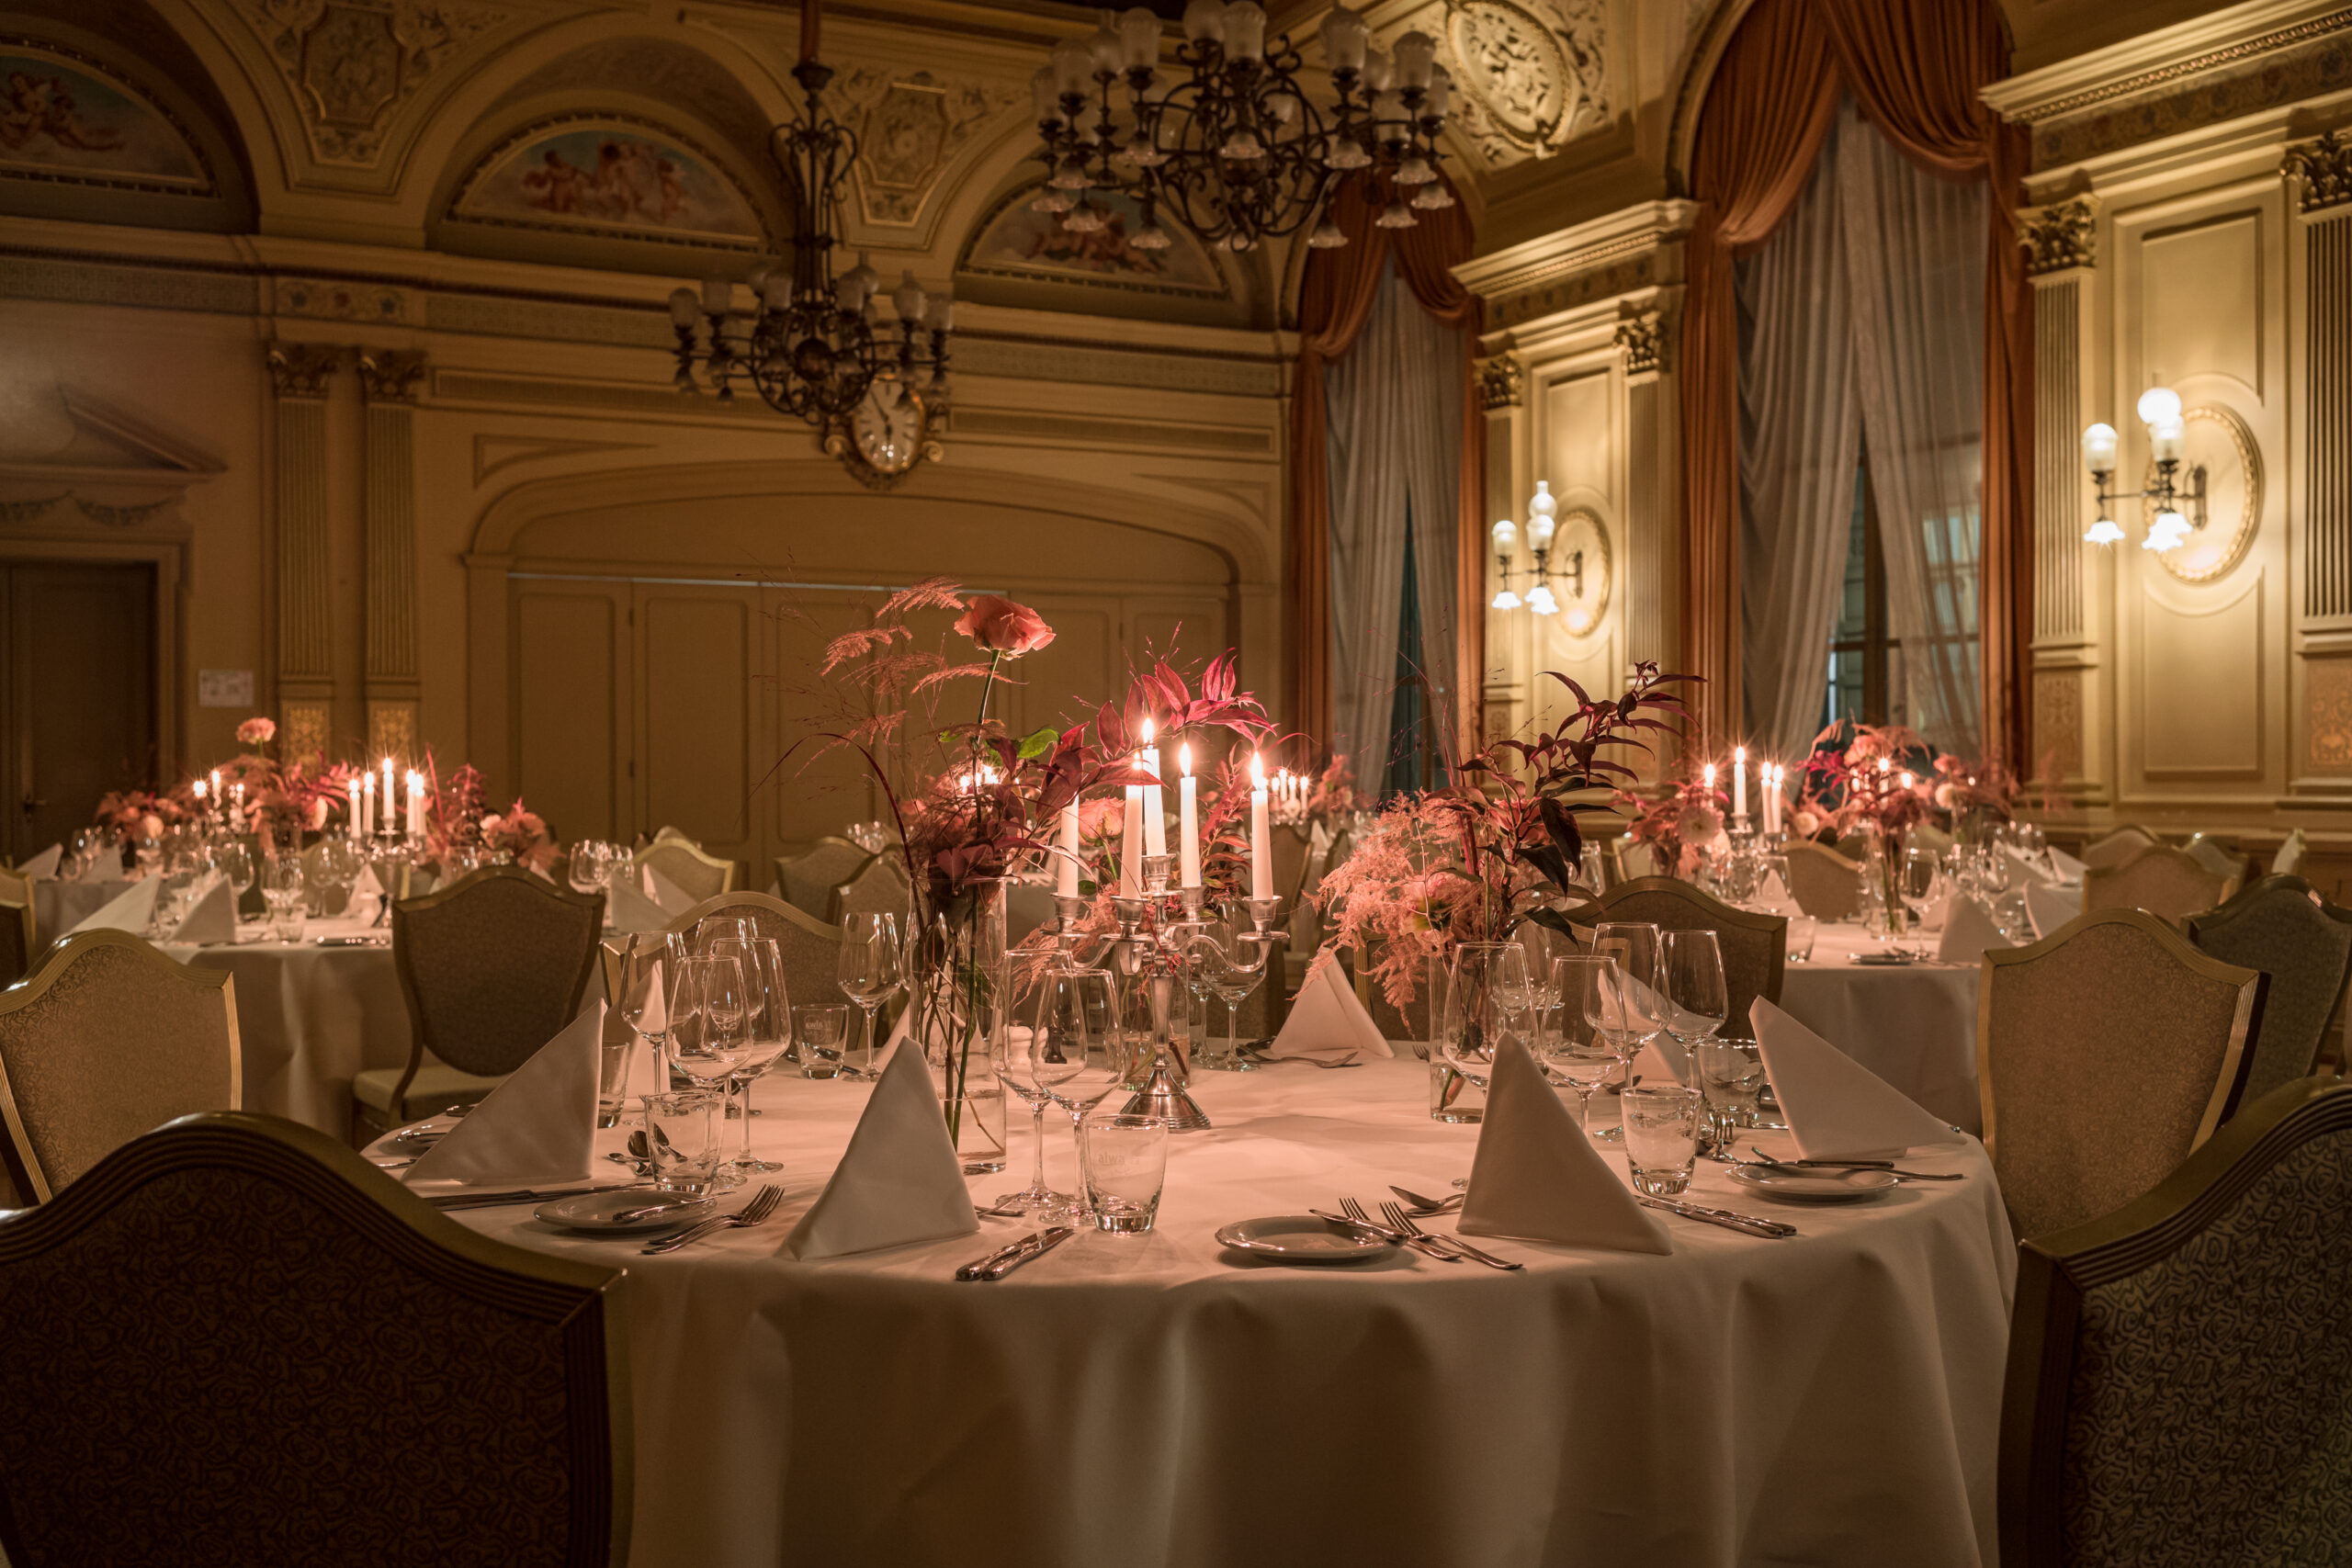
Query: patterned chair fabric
x=2282 y=928
x=877 y=887
x=812 y=949
x=2113 y=849
x=198 y=1343
x=808 y=879
x=2288 y=861
x=2214 y=855
x=2180 y=1389
x=104 y=1039
x=2168 y=883
x=492 y=967
x=685 y=868
x=2106 y=1053
x=1755 y=947
x=1824 y=884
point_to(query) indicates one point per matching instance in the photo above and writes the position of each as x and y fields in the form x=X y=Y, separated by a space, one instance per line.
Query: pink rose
x=1000 y=626
x=256 y=732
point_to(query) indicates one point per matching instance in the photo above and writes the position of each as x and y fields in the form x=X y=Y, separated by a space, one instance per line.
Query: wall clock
x=882 y=439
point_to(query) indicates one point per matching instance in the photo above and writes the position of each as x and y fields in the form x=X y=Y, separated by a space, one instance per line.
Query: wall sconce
x=1540 y=524
x=1582 y=573
x=1506 y=534
x=2176 y=496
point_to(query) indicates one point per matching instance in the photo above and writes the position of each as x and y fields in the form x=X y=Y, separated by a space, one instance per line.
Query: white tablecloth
x=1153 y=1400
x=1914 y=1025
x=59 y=906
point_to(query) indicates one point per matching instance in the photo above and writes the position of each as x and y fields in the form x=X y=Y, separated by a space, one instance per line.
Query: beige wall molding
x=388 y=381
x=301 y=373
x=1587 y=262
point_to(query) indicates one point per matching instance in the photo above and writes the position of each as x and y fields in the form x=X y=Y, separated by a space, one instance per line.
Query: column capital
x=1503 y=381
x=391 y=375
x=1643 y=330
x=303 y=370
x=2322 y=169
x=2060 y=236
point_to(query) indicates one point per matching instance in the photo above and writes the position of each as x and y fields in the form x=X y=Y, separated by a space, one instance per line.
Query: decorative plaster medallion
x=910 y=128
x=2220 y=454
x=1578 y=563
x=1532 y=72
x=351 y=64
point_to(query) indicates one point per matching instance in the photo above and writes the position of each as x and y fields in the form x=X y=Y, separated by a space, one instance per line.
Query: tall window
x=1412 y=735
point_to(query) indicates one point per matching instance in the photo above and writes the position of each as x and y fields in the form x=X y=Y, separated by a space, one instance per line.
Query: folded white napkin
x=1836 y=1109
x=133 y=909
x=1969 y=931
x=1663 y=1059
x=627 y=909
x=1774 y=896
x=366 y=900
x=1327 y=1020
x=2069 y=868
x=668 y=894
x=214 y=919
x=898 y=1180
x=42 y=866
x=537 y=1126
x=2049 y=907
x=1537 y=1178
x=2035 y=871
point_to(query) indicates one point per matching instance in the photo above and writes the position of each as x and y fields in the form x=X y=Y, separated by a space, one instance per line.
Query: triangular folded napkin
x=668 y=894
x=366 y=899
x=42 y=867
x=1968 y=931
x=133 y=909
x=898 y=1180
x=214 y=919
x=1327 y=1020
x=2034 y=868
x=1773 y=899
x=1836 y=1109
x=537 y=1126
x=2050 y=907
x=628 y=910
x=2069 y=868
x=1664 y=1059
x=1537 y=1178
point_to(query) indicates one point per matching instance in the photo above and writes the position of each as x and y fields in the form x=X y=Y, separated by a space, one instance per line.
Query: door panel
x=571 y=708
x=81 y=697
x=698 y=658
x=819 y=789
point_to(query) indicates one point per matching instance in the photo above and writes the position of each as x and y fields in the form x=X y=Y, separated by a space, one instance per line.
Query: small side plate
x=1302 y=1238
x=1814 y=1186
x=596 y=1212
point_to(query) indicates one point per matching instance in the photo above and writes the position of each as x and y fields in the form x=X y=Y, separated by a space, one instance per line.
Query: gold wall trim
x=1020 y=424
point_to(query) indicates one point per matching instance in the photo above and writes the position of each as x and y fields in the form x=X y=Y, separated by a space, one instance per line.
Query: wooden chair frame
x=728 y=868
x=2331 y=1050
x=1718 y=913
x=744 y=898
x=2103 y=873
x=581 y=1297
x=16 y=1151
x=2055 y=1272
x=890 y=858
x=2247 y=1020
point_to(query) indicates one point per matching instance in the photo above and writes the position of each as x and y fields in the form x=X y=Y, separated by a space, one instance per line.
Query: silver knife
x=1747 y=1225
x=1038 y=1246
x=1002 y=1254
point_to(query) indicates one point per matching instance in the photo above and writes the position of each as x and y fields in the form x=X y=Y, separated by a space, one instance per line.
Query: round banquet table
x=1913 y=1024
x=1154 y=1401
x=59 y=906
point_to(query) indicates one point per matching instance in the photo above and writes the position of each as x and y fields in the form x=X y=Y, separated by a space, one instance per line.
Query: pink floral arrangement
x=257 y=731
x=1334 y=795
x=455 y=817
x=1677 y=821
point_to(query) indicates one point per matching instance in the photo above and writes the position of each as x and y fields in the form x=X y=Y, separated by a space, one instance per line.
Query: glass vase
x=960 y=987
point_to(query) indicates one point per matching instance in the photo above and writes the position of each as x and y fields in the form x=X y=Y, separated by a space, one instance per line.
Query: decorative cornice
x=1641 y=333
x=2322 y=170
x=2165 y=56
x=1587 y=247
x=1503 y=381
x=2060 y=236
x=391 y=375
x=303 y=370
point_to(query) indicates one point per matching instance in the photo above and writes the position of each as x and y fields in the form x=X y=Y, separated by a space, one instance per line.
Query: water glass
x=1661 y=1137
x=1696 y=1000
x=1802 y=930
x=821 y=1026
x=1731 y=1075
x=868 y=969
x=1124 y=1162
x=614 y=1050
x=281 y=889
x=590 y=865
x=682 y=1132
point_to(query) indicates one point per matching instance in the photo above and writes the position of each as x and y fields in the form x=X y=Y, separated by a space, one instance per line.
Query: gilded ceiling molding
x=2060 y=236
x=1503 y=381
x=2322 y=172
x=912 y=127
x=351 y=64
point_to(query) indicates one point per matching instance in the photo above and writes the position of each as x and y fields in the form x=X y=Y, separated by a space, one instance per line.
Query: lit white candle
x=415 y=804
x=199 y=787
x=1707 y=777
x=391 y=802
x=1155 y=809
x=355 y=807
x=1739 y=781
x=1188 y=826
x=1261 y=859
x=1065 y=863
x=1131 y=839
x=367 y=806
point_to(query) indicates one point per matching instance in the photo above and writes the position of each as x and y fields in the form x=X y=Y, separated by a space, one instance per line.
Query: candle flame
x=1184 y=757
x=1257 y=771
x=1147 y=730
x=1711 y=775
x=1906 y=779
x=1739 y=756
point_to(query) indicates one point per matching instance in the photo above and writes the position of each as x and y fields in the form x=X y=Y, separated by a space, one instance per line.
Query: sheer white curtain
x=1800 y=439
x=1915 y=266
x=1393 y=404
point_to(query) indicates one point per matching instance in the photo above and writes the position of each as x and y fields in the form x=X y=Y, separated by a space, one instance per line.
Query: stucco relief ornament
x=351 y=64
x=2059 y=237
x=2324 y=167
x=912 y=128
x=1534 y=74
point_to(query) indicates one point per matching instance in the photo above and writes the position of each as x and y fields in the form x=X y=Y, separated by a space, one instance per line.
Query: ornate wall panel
x=2328 y=717
x=2058 y=607
x=2201 y=688
x=301 y=373
x=2058 y=721
x=2327 y=381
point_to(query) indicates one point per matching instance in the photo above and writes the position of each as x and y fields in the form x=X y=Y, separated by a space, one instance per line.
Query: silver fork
x=1404 y=1222
x=1418 y=1242
x=764 y=1203
x=1425 y=1206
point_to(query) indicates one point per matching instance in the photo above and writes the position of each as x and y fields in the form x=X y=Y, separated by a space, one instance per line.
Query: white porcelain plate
x=1814 y=1186
x=1302 y=1238
x=622 y=1210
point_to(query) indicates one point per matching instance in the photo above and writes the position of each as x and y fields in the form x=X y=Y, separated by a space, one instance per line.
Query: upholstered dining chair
x=2281 y=926
x=1824 y=884
x=1755 y=946
x=2180 y=1385
x=2166 y=882
x=2214 y=855
x=2288 y=861
x=105 y=1039
x=2105 y=1053
x=2119 y=845
x=877 y=887
x=812 y=949
x=808 y=879
x=1287 y=845
x=202 y=1335
x=684 y=865
x=18 y=937
x=491 y=967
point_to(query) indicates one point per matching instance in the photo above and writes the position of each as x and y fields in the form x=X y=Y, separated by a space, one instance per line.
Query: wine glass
x=1921 y=882
x=1696 y=1003
x=1041 y=1044
x=1486 y=991
x=1584 y=1050
x=649 y=988
x=711 y=930
x=708 y=1041
x=1227 y=961
x=590 y=864
x=1637 y=1016
x=868 y=969
x=1110 y=1059
x=240 y=866
x=769 y=1027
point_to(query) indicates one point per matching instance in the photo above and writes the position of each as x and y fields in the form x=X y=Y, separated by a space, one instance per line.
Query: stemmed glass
x=769 y=1025
x=1041 y=1046
x=1585 y=1050
x=708 y=1038
x=1227 y=961
x=1696 y=1005
x=237 y=862
x=868 y=969
x=1637 y=946
x=712 y=930
x=1109 y=1060
x=590 y=864
x=648 y=992
x=1921 y=882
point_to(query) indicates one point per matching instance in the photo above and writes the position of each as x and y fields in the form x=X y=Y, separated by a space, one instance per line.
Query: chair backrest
x=493 y=965
x=2163 y=881
x=696 y=874
x=877 y=887
x=1287 y=846
x=2118 y=845
x=2105 y=1053
x=1824 y=884
x=2281 y=927
x=808 y=878
x=1027 y=907
x=18 y=937
x=2179 y=1383
x=1755 y=946
x=232 y=1300
x=2214 y=855
x=2288 y=861
x=104 y=1039
x=665 y=834
x=812 y=949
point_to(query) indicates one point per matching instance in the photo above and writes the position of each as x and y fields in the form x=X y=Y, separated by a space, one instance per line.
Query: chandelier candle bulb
x=1261 y=859
x=2098 y=448
x=1345 y=36
x=1139 y=37
x=1155 y=807
x=1204 y=21
x=1065 y=863
x=1244 y=31
x=1739 y=781
x=1188 y=821
x=1131 y=840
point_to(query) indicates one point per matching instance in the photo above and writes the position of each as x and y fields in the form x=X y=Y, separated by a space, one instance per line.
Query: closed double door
x=78 y=712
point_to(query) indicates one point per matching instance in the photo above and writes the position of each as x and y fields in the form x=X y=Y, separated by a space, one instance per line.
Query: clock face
x=888 y=428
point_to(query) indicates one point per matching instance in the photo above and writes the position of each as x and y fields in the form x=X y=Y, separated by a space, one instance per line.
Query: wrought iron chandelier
x=1236 y=149
x=813 y=344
